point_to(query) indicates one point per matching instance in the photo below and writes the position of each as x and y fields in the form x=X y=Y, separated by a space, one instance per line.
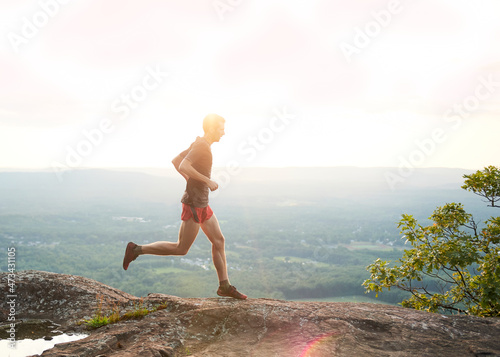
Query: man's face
x=218 y=132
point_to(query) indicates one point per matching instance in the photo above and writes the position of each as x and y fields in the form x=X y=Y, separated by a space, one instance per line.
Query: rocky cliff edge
x=255 y=327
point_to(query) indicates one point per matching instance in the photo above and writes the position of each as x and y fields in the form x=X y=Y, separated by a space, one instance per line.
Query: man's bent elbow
x=176 y=161
x=184 y=167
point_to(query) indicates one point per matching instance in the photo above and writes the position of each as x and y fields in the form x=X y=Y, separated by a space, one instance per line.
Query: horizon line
x=139 y=168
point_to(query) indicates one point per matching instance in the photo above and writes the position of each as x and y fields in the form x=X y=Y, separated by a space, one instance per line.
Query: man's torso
x=200 y=156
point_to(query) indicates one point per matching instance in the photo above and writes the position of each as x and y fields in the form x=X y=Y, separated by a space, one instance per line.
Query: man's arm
x=177 y=163
x=187 y=169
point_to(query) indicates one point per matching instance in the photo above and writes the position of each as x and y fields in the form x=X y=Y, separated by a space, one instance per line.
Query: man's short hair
x=212 y=121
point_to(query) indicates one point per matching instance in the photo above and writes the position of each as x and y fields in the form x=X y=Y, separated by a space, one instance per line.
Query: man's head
x=213 y=126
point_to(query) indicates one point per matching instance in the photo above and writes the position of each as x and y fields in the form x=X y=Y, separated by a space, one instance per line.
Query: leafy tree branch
x=453 y=266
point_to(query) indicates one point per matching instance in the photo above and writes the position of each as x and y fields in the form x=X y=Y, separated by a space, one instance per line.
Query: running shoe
x=231 y=292
x=130 y=255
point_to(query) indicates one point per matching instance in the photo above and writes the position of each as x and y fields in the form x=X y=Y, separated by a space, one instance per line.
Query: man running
x=195 y=165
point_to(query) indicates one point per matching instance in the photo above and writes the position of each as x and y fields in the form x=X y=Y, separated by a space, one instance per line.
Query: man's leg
x=187 y=234
x=212 y=230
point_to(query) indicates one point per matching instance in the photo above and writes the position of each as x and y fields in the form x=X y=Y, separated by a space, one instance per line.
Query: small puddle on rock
x=32 y=337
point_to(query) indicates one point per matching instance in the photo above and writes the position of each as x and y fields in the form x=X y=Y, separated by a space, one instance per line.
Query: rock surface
x=255 y=327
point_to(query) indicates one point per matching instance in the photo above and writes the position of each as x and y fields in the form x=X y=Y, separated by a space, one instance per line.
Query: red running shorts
x=199 y=214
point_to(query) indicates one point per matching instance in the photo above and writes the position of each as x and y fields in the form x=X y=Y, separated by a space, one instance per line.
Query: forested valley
x=297 y=234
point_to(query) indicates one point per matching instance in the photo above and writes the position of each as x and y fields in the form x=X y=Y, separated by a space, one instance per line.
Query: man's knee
x=219 y=241
x=181 y=250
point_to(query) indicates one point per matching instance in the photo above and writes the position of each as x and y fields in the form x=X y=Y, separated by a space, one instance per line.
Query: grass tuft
x=100 y=319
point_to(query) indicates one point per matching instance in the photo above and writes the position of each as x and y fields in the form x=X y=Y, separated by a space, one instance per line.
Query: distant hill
x=25 y=191
x=44 y=188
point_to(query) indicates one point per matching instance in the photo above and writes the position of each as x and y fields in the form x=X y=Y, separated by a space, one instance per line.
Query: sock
x=224 y=284
x=138 y=250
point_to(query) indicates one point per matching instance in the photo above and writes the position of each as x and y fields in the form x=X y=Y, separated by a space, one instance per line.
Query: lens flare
x=313 y=348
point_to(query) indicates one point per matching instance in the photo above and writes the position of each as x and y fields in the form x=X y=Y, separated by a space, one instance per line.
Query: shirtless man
x=195 y=165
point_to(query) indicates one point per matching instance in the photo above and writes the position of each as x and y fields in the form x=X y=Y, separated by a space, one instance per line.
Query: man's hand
x=212 y=185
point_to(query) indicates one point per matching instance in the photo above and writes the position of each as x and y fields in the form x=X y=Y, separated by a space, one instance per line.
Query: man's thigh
x=187 y=233
x=212 y=230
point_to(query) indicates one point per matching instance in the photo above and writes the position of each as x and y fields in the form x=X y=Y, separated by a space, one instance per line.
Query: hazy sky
x=122 y=83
